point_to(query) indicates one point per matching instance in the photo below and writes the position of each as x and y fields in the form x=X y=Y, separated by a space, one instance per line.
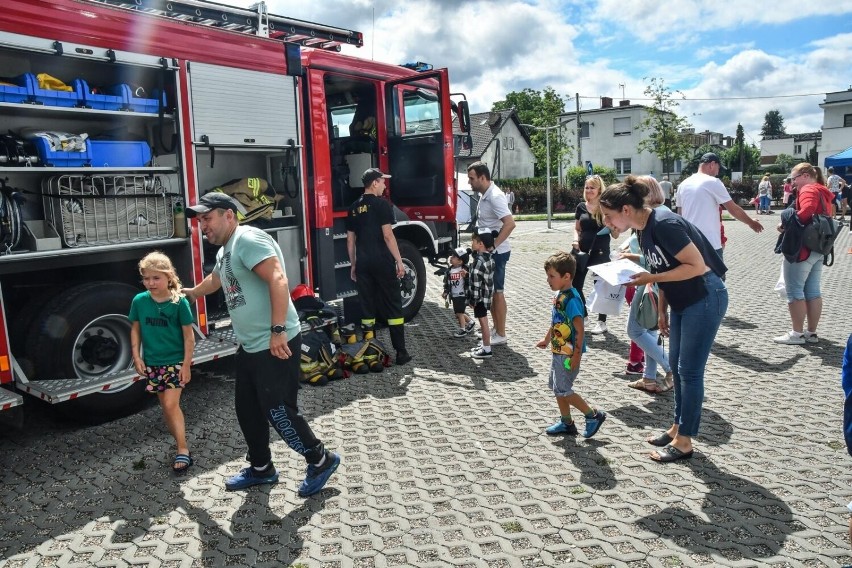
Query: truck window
x=421 y=111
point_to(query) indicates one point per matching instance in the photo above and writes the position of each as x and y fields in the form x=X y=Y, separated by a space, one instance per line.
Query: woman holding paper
x=688 y=272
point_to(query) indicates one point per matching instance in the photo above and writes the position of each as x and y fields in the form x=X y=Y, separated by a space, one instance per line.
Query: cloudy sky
x=733 y=61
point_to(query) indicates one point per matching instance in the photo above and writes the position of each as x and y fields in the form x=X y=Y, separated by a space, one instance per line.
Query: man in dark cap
x=699 y=197
x=376 y=262
x=250 y=269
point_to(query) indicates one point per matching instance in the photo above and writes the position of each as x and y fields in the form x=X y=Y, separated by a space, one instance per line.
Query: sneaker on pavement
x=249 y=476
x=790 y=338
x=492 y=330
x=593 y=424
x=461 y=332
x=497 y=339
x=480 y=353
x=811 y=337
x=470 y=326
x=599 y=328
x=562 y=428
x=635 y=368
x=317 y=476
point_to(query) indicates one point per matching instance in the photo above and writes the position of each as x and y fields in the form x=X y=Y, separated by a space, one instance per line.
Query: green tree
x=664 y=124
x=812 y=155
x=785 y=162
x=539 y=108
x=748 y=153
x=773 y=124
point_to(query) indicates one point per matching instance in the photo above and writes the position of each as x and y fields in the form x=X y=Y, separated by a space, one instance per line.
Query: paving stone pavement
x=445 y=462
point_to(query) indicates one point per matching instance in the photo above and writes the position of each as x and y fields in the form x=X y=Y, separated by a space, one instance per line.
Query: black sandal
x=660 y=441
x=670 y=454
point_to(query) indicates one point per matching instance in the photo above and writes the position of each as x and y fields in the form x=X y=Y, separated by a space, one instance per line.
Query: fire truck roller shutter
x=413 y=283
x=84 y=332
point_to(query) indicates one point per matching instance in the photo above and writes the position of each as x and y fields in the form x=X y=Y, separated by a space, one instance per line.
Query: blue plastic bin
x=138 y=104
x=119 y=154
x=112 y=98
x=48 y=97
x=18 y=94
x=61 y=159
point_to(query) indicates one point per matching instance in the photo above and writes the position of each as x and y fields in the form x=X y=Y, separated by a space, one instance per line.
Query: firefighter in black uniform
x=376 y=262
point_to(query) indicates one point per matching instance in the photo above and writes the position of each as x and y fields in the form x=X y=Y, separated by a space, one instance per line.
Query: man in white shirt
x=666 y=186
x=493 y=214
x=699 y=197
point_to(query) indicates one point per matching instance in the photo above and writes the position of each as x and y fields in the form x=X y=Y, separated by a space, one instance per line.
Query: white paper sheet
x=618 y=271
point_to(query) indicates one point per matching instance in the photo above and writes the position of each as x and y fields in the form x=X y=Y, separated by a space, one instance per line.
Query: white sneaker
x=811 y=337
x=600 y=327
x=790 y=338
x=497 y=339
x=493 y=332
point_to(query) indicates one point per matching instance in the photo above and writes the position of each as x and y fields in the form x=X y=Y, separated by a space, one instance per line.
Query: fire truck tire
x=84 y=332
x=414 y=280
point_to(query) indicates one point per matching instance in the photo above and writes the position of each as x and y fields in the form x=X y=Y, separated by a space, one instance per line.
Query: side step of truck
x=9 y=399
x=217 y=344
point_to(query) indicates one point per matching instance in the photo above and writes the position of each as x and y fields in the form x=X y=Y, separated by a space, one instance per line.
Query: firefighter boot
x=368 y=329
x=397 y=335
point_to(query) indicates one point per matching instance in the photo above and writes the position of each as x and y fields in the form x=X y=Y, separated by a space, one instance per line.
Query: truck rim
x=408 y=283
x=103 y=346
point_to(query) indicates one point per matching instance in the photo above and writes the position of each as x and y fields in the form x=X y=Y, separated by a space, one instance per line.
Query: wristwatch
x=278 y=329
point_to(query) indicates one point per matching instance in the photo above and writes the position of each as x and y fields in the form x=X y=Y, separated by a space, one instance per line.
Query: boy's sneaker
x=635 y=368
x=317 y=476
x=497 y=339
x=562 y=428
x=593 y=424
x=461 y=332
x=790 y=338
x=492 y=330
x=600 y=327
x=470 y=326
x=249 y=476
x=811 y=337
x=480 y=353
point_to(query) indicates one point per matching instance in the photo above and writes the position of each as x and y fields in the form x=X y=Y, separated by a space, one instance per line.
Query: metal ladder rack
x=255 y=20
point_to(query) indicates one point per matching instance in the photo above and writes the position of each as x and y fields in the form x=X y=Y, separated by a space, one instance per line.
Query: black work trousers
x=266 y=392
x=380 y=294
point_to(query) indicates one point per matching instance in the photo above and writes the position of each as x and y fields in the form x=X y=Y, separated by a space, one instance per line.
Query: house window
x=797 y=149
x=511 y=142
x=677 y=167
x=847 y=120
x=584 y=130
x=622 y=166
x=505 y=143
x=621 y=126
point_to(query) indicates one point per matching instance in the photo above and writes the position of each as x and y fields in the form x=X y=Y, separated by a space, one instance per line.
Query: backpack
x=820 y=234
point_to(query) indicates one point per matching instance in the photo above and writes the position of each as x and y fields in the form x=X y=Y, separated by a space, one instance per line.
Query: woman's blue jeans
x=691 y=334
x=646 y=340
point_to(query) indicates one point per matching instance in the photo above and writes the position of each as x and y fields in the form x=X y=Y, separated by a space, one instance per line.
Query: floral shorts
x=163 y=377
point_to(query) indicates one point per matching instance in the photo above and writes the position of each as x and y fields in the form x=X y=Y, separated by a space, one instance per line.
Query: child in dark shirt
x=481 y=289
x=455 y=290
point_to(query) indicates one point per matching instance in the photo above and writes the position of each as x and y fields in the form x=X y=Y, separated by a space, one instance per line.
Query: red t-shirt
x=808 y=203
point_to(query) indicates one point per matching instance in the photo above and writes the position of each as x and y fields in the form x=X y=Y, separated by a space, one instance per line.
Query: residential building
x=796 y=145
x=836 y=124
x=498 y=139
x=609 y=136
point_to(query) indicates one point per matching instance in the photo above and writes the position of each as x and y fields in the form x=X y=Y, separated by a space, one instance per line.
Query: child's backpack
x=819 y=235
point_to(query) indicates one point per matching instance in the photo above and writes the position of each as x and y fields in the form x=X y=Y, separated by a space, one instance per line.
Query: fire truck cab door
x=419 y=132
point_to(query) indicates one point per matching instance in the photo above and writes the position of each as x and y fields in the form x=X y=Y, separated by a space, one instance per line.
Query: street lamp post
x=547 y=130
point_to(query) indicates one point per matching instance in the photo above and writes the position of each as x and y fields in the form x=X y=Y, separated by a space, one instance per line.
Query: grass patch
x=672 y=561
x=139 y=465
x=577 y=490
x=543 y=217
x=835 y=444
x=512 y=527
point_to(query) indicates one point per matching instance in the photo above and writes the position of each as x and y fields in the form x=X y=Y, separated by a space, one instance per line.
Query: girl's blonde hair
x=655 y=192
x=596 y=214
x=159 y=262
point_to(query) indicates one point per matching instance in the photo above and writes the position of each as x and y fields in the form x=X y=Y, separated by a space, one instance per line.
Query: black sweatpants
x=266 y=392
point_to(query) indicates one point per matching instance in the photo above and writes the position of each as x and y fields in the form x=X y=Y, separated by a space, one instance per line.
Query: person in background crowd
x=764 y=195
x=493 y=214
x=803 y=273
x=376 y=265
x=699 y=198
x=788 y=192
x=251 y=267
x=592 y=238
x=688 y=272
x=666 y=188
x=837 y=186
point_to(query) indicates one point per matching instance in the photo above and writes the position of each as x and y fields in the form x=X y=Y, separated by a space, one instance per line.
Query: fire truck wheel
x=84 y=333
x=414 y=280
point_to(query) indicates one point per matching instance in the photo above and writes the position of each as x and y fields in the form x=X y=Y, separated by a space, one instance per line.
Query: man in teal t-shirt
x=250 y=271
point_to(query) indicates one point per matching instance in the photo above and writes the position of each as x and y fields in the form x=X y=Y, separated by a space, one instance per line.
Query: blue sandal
x=182 y=463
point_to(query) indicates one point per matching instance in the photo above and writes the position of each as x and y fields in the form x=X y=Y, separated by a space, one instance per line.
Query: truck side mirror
x=464 y=116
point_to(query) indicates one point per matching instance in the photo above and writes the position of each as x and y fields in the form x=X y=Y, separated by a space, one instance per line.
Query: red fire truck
x=116 y=114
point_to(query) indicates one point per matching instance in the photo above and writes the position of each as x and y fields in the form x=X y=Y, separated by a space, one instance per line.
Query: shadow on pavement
x=740 y=519
x=595 y=470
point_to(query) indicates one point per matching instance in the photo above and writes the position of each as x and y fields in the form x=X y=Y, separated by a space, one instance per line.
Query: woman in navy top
x=688 y=273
